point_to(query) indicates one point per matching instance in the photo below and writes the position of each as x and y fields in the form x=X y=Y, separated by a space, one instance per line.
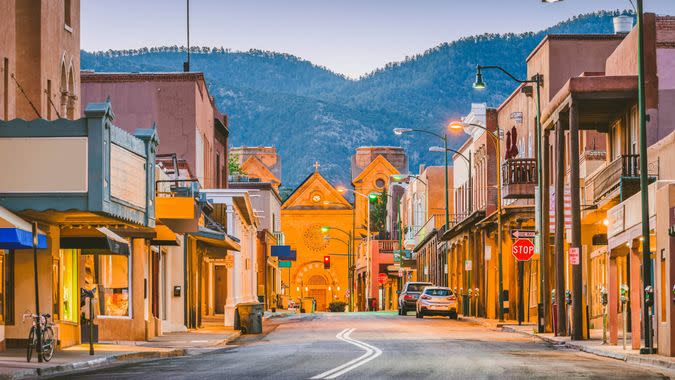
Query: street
x=380 y=346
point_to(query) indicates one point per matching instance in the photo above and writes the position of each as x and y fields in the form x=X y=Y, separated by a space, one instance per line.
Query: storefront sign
x=517 y=116
x=468 y=264
x=229 y=261
x=488 y=252
x=127 y=176
x=44 y=165
x=615 y=217
x=574 y=256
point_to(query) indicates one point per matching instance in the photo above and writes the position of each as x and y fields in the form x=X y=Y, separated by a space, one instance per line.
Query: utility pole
x=186 y=65
x=644 y=183
x=577 y=294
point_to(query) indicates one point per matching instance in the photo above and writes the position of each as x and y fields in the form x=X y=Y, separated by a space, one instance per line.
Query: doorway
x=220 y=291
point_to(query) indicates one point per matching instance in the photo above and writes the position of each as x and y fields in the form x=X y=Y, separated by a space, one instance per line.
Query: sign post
x=522 y=250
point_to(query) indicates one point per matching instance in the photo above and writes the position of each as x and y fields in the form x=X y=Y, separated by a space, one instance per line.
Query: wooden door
x=320 y=296
x=220 y=291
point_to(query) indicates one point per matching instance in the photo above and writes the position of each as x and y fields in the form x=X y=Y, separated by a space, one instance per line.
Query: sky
x=351 y=37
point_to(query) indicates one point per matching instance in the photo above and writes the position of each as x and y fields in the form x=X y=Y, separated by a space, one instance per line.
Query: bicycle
x=47 y=333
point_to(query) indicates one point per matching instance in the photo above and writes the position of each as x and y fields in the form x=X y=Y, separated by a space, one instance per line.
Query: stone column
x=253 y=273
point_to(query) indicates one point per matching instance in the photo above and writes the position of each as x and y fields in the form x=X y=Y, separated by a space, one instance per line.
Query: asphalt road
x=381 y=346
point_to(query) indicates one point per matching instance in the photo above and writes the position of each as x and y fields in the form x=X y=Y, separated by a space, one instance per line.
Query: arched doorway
x=318 y=285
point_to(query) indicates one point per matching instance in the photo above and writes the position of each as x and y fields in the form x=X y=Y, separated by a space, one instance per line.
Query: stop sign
x=523 y=249
x=382 y=278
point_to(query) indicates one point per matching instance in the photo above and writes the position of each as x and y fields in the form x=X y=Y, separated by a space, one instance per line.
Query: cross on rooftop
x=316 y=166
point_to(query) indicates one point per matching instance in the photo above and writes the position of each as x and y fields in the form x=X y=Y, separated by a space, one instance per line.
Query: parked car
x=407 y=300
x=437 y=300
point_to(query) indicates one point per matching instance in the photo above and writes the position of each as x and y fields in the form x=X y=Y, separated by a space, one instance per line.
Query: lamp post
x=350 y=266
x=444 y=137
x=468 y=161
x=460 y=126
x=537 y=80
x=368 y=197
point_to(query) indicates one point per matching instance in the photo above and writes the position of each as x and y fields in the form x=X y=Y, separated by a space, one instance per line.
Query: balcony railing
x=623 y=172
x=434 y=222
x=519 y=177
x=387 y=246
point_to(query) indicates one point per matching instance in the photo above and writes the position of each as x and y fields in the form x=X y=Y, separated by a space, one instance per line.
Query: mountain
x=310 y=113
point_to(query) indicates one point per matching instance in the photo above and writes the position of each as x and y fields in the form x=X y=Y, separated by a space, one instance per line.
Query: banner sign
x=283 y=252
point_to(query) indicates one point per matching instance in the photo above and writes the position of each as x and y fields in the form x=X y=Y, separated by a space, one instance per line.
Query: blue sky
x=352 y=37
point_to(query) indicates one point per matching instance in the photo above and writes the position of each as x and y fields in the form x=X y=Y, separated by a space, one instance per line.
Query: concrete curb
x=107 y=361
x=628 y=358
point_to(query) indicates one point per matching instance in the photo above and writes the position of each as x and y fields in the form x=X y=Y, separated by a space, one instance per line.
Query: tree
x=378 y=213
x=234 y=165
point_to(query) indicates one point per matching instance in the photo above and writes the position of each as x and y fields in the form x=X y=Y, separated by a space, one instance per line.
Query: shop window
x=68 y=287
x=6 y=287
x=109 y=274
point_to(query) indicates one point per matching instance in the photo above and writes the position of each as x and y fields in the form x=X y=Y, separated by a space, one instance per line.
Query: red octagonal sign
x=523 y=249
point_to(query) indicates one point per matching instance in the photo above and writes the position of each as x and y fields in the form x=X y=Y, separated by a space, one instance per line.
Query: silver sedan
x=437 y=300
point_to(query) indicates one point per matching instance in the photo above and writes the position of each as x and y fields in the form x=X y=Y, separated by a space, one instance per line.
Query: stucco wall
x=7 y=52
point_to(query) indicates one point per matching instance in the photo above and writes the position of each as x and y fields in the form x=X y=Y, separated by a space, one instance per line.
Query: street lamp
x=350 y=266
x=460 y=126
x=439 y=149
x=537 y=80
x=444 y=137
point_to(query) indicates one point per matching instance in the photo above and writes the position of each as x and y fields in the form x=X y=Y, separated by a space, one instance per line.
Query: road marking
x=371 y=353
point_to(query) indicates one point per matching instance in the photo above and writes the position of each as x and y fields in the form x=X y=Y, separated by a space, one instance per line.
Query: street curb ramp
x=113 y=360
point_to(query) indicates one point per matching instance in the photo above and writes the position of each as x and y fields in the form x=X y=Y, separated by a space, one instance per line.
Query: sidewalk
x=592 y=346
x=212 y=336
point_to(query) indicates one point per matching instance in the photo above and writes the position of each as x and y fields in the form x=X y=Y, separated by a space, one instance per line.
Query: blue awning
x=16 y=233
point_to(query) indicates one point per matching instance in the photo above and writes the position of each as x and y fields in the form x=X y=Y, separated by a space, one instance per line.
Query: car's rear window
x=438 y=292
x=416 y=287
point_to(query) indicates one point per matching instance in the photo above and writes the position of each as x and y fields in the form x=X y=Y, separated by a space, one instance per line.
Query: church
x=313 y=205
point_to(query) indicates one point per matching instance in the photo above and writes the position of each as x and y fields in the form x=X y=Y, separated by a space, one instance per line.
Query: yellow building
x=315 y=204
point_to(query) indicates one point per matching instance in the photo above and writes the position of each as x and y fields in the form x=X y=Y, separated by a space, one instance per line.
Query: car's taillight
x=451 y=298
x=407 y=297
x=425 y=297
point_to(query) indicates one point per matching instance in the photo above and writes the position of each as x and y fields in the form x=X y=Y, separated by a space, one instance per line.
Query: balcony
x=176 y=206
x=409 y=237
x=519 y=178
x=619 y=177
x=435 y=222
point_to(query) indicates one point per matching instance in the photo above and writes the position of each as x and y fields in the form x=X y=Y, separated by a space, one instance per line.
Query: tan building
x=259 y=162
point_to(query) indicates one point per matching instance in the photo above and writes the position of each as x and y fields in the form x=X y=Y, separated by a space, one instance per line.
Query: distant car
x=407 y=300
x=437 y=300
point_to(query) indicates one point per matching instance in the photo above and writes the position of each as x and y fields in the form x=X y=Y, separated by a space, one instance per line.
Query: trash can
x=248 y=318
x=466 y=305
x=308 y=304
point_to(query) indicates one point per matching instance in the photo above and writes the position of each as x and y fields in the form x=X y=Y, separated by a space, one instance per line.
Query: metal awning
x=16 y=233
x=217 y=239
x=107 y=243
x=164 y=236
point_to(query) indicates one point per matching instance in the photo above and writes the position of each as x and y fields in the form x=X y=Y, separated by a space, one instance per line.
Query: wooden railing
x=519 y=171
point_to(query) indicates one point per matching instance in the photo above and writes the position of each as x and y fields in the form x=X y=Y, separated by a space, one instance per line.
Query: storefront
x=92 y=192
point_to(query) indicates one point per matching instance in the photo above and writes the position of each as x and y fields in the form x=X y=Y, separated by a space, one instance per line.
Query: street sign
x=523 y=234
x=285 y=264
x=382 y=278
x=574 y=255
x=523 y=249
x=467 y=265
x=488 y=252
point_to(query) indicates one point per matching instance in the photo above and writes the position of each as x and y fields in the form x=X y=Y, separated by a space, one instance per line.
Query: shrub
x=337 y=306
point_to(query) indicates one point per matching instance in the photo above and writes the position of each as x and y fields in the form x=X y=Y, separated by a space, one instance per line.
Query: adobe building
x=259 y=162
x=180 y=105
x=39 y=59
x=315 y=204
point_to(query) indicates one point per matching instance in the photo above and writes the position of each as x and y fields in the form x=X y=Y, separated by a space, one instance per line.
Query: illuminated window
x=109 y=274
x=65 y=291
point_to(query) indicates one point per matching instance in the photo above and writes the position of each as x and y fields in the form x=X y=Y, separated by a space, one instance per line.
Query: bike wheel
x=30 y=344
x=48 y=343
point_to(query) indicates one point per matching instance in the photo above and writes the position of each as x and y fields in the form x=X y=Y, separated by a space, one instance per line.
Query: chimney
x=623 y=24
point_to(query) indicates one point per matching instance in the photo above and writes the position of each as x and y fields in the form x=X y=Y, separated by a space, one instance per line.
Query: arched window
x=72 y=98
x=67 y=11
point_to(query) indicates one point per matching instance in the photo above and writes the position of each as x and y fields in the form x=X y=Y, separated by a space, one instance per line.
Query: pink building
x=188 y=122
